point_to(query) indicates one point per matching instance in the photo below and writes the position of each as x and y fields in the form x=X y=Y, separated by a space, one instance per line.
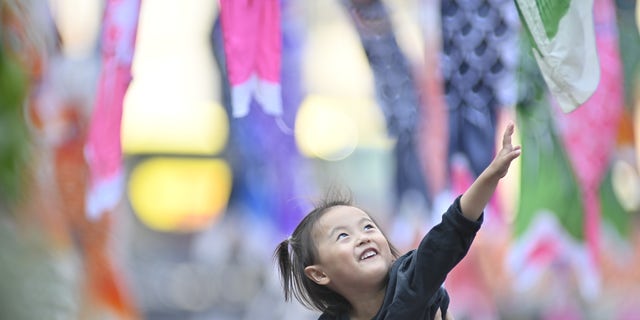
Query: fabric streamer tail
x=104 y=150
x=252 y=45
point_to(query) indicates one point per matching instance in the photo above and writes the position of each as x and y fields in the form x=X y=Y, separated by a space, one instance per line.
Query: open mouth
x=368 y=254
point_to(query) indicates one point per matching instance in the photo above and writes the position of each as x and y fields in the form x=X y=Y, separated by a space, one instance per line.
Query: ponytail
x=285 y=267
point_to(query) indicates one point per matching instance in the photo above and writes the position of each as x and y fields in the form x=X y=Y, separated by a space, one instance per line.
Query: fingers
x=514 y=153
x=511 y=152
x=506 y=139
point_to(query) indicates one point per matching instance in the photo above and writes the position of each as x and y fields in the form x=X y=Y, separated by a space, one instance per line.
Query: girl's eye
x=342 y=235
x=369 y=226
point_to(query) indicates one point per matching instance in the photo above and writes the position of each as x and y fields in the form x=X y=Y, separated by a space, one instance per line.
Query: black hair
x=299 y=251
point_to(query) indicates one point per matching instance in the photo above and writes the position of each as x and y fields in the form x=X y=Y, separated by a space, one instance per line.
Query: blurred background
x=154 y=153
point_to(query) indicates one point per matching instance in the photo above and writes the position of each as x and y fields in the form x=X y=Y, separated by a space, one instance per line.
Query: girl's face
x=352 y=251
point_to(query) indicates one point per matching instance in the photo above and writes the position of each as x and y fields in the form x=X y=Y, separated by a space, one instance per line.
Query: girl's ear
x=316 y=275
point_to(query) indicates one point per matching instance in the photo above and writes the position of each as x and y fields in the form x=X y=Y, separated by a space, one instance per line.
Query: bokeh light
x=626 y=185
x=179 y=194
x=78 y=24
x=165 y=126
x=324 y=131
x=638 y=16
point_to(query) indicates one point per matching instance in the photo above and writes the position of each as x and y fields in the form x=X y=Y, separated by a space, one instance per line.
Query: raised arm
x=474 y=200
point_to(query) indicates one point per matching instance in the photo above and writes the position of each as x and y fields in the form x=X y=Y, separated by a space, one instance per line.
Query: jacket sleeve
x=442 y=248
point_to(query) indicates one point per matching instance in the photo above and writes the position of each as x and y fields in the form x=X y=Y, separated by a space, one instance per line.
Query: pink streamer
x=589 y=132
x=103 y=150
x=253 y=46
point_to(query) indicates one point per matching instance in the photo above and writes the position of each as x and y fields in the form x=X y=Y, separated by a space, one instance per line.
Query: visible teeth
x=368 y=254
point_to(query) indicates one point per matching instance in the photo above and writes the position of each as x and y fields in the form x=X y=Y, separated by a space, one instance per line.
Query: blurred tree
x=13 y=133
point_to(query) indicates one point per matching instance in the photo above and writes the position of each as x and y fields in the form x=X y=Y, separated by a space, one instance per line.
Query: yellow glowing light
x=169 y=104
x=155 y=127
x=180 y=195
x=325 y=131
x=626 y=185
x=78 y=23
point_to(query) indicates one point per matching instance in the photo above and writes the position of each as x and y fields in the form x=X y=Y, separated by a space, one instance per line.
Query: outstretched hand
x=474 y=200
x=500 y=164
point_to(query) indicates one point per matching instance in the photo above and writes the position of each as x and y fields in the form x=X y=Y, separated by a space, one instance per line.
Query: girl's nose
x=364 y=239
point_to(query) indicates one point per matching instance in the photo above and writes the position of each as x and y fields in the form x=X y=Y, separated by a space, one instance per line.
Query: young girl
x=339 y=262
